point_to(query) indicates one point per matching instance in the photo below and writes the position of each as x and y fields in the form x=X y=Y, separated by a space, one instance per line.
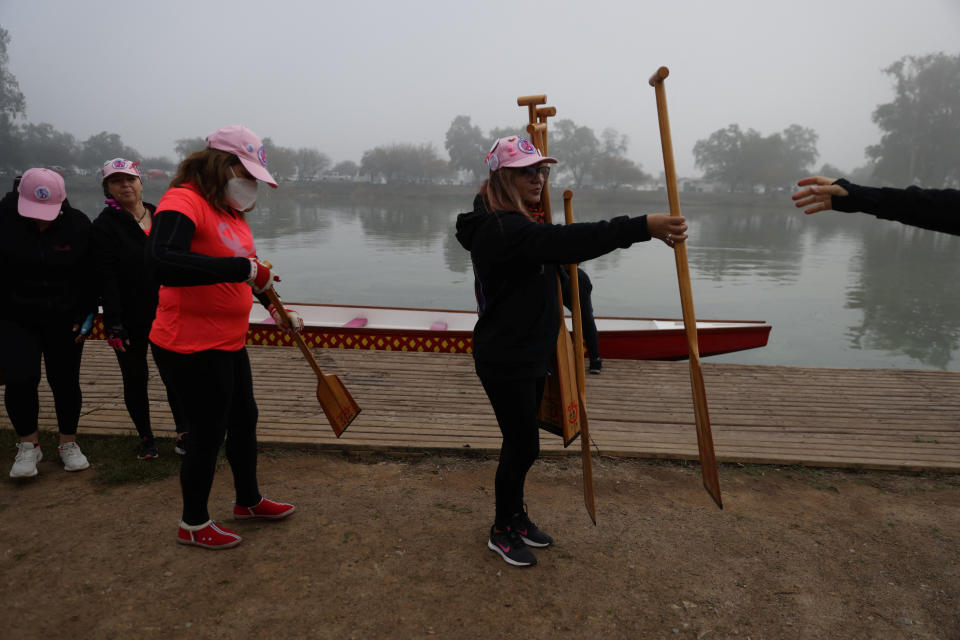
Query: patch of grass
x=453 y=507
x=752 y=469
x=824 y=486
x=113 y=459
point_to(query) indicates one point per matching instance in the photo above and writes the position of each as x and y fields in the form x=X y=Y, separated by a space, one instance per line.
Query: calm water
x=840 y=290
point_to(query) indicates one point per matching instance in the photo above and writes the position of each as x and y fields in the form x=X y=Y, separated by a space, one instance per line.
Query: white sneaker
x=25 y=464
x=73 y=459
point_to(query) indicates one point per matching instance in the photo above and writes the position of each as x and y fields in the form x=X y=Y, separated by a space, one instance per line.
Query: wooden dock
x=415 y=402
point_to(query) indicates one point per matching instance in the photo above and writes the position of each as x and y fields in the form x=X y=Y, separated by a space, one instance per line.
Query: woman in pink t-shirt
x=202 y=253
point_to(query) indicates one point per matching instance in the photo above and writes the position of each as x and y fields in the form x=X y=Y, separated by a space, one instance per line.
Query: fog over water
x=840 y=290
x=344 y=77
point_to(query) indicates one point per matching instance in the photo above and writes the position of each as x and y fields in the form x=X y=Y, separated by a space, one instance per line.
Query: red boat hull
x=655 y=344
x=662 y=344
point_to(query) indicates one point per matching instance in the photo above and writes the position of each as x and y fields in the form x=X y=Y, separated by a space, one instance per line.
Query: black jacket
x=128 y=294
x=935 y=209
x=514 y=264
x=50 y=274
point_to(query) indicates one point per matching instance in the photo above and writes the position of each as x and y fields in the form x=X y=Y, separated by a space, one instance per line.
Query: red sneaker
x=265 y=510
x=208 y=535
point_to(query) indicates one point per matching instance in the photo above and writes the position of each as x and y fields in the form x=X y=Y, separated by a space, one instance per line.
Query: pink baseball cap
x=514 y=152
x=119 y=165
x=244 y=144
x=41 y=193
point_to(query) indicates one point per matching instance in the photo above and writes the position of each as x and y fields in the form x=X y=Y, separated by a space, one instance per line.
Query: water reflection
x=843 y=290
x=908 y=292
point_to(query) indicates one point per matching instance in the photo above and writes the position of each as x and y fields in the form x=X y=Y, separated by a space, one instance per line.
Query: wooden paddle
x=589 y=495
x=569 y=379
x=708 y=460
x=339 y=406
x=531 y=103
x=560 y=408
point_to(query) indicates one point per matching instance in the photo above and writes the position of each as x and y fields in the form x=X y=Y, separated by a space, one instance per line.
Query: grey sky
x=345 y=76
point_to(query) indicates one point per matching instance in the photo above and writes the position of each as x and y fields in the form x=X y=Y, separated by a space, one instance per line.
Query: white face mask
x=241 y=193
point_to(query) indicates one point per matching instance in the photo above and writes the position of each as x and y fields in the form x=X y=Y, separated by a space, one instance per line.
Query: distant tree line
x=588 y=160
x=920 y=144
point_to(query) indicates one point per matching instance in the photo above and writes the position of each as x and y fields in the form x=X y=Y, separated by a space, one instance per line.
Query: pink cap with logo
x=41 y=193
x=119 y=165
x=244 y=144
x=514 y=152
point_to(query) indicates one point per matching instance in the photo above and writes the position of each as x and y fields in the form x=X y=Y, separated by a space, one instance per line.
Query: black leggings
x=516 y=404
x=21 y=348
x=216 y=392
x=133 y=369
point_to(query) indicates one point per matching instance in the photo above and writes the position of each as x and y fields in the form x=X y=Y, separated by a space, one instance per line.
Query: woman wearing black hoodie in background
x=515 y=257
x=129 y=294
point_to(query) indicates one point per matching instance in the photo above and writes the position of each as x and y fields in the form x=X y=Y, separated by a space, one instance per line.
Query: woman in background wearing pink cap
x=128 y=293
x=46 y=243
x=204 y=256
x=515 y=258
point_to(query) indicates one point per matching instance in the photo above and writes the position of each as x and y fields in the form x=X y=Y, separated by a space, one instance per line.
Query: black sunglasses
x=533 y=172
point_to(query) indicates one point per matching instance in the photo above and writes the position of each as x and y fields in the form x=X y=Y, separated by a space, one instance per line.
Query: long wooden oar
x=708 y=460
x=569 y=378
x=339 y=406
x=589 y=496
x=561 y=407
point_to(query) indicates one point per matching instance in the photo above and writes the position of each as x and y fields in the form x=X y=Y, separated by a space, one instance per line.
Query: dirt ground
x=396 y=548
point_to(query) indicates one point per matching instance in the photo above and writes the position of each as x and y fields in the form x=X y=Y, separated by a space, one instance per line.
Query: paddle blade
x=589 y=497
x=339 y=406
x=708 y=459
x=560 y=412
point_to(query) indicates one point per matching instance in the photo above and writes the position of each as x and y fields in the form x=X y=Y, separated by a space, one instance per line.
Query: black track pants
x=515 y=403
x=216 y=392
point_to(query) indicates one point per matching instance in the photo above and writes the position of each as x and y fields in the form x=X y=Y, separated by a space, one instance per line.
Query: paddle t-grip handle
x=545 y=112
x=531 y=102
x=526 y=101
x=659 y=76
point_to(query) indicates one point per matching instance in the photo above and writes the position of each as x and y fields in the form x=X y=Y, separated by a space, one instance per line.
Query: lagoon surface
x=840 y=290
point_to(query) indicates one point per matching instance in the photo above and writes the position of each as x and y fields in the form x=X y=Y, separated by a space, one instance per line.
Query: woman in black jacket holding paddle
x=128 y=293
x=515 y=257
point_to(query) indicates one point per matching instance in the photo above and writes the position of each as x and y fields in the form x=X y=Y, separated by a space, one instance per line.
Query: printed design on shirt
x=230 y=240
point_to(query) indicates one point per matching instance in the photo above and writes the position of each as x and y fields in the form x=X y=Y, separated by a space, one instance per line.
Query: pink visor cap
x=119 y=165
x=244 y=144
x=514 y=152
x=41 y=193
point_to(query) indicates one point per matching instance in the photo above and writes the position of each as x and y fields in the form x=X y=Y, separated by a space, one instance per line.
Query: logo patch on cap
x=250 y=148
x=524 y=145
x=119 y=164
x=262 y=155
x=41 y=193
